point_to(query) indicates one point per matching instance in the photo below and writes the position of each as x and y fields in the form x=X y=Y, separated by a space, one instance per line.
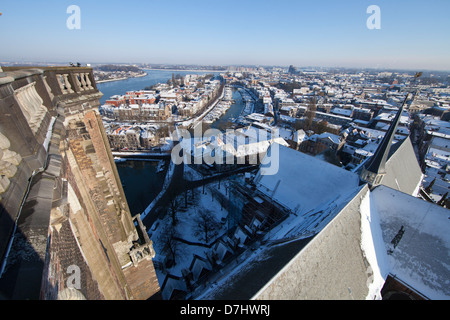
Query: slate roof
x=419 y=253
x=403 y=172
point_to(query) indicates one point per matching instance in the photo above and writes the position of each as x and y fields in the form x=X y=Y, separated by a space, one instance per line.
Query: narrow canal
x=141 y=182
x=233 y=112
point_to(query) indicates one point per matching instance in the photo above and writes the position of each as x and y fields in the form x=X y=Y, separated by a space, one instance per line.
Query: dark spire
x=375 y=165
x=443 y=200
x=378 y=160
x=430 y=186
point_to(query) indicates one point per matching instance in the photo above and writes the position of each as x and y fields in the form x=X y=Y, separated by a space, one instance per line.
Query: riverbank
x=145 y=74
x=152 y=77
x=195 y=121
x=120 y=79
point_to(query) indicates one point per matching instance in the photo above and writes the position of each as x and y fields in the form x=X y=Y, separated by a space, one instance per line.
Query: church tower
x=374 y=169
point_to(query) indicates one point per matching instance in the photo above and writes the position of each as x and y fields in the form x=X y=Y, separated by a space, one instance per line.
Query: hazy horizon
x=64 y=63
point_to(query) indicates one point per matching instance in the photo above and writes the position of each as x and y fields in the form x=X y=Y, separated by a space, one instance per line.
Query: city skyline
x=324 y=33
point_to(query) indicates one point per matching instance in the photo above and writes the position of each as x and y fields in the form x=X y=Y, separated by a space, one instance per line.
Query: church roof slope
x=403 y=172
x=329 y=265
x=332 y=265
x=416 y=236
x=303 y=183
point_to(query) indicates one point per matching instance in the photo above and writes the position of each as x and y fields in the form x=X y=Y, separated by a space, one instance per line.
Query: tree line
x=113 y=67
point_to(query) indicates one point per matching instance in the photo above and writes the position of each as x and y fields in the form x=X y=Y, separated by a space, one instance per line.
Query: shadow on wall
x=21 y=263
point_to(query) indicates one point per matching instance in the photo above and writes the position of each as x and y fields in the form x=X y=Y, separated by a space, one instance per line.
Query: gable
x=403 y=172
x=303 y=182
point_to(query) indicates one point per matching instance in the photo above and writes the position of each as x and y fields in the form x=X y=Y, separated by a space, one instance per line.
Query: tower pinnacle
x=374 y=170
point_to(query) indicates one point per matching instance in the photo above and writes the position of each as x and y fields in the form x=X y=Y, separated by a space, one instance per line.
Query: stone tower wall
x=61 y=199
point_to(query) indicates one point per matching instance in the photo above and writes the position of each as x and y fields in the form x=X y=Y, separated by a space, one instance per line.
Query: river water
x=233 y=112
x=140 y=179
x=141 y=183
x=153 y=77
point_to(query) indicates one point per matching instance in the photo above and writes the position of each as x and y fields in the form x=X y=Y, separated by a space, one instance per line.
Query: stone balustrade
x=75 y=80
x=65 y=81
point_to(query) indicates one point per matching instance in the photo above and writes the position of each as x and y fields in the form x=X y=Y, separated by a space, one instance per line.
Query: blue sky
x=413 y=35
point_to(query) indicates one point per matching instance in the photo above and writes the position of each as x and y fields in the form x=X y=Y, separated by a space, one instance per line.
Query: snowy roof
x=440 y=142
x=302 y=182
x=389 y=116
x=286 y=134
x=326 y=135
x=342 y=112
x=238 y=143
x=287 y=118
x=222 y=249
x=421 y=257
x=256 y=117
x=172 y=284
x=197 y=266
x=402 y=169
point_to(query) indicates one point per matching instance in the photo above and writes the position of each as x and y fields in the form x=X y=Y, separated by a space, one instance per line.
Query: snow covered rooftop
x=239 y=143
x=303 y=182
x=402 y=169
x=342 y=112
x=421 y=257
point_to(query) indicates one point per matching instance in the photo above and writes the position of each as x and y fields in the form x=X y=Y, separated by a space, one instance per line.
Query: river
x=153 y=77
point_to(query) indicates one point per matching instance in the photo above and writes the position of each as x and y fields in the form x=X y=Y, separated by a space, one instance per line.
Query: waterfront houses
x=128 y=137
x=165 y=103
x=139 y=112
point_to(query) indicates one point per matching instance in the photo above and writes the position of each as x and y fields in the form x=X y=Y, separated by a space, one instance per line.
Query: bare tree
x=321 y=127
x=174 y=204
x=168 y=239
x=207 y=225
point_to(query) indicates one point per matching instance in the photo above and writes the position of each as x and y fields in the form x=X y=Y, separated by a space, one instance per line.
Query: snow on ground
x=185 y=228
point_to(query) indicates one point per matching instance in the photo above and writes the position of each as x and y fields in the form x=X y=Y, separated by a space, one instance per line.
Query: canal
x=233 y=112
x=141 y=182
